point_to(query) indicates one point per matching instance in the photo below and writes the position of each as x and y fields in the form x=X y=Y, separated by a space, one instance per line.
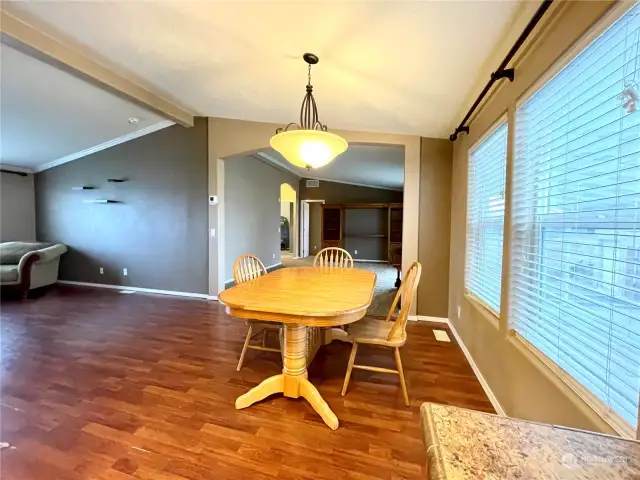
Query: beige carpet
x=384 y=292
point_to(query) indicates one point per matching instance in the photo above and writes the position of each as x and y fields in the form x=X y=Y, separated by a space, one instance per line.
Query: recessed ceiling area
x=380 y=166
x=49 y=114
x=396 y=67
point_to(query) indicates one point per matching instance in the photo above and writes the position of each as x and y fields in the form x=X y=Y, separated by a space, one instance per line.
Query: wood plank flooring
x=105 y=386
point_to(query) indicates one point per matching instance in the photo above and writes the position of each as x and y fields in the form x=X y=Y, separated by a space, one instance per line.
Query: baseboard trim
x=140 y=289
x=269 y=268
x=423 y=318
x=485 y=386
x=369 y=261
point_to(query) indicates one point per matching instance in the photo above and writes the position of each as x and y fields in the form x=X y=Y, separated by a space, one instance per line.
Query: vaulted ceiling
x=397 y=67
x=48 y=115
x=380 y=166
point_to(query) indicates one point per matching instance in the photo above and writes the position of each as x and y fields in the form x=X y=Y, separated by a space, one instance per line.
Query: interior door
x=305 y=230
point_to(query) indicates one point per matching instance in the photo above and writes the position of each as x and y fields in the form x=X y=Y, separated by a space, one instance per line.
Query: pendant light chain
x=308 y=111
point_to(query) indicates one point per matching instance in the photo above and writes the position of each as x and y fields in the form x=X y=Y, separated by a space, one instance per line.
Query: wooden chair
x=249 y=267
x=333 y=257
x=386 y=333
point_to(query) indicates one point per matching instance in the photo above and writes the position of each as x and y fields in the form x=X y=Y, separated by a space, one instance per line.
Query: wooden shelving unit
x=331 y=226
x=364 y=235
x=335 y=230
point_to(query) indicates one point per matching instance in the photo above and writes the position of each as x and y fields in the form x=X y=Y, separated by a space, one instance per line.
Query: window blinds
x=575 y=252
x=485 y=218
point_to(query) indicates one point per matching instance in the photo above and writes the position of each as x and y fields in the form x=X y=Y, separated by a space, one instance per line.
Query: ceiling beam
x=19 y=34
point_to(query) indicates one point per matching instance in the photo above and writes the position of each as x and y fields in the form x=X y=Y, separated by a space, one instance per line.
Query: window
x=575 y=251
x=485 y=218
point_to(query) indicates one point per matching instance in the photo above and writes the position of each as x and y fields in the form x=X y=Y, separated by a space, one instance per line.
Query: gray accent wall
x=252 y=210
x=17 y=208
x=333 y=192
x=158 y=230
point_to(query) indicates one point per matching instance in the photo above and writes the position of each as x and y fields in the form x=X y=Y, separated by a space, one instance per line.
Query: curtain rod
x=503 y=72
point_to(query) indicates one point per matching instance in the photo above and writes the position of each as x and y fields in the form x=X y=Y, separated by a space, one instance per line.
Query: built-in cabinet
x=372 y=229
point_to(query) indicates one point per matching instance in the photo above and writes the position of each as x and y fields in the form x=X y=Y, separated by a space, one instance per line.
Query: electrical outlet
x=459 y=310
x=125 y=272
x=274 y=255
x=355 y=252
x=101 y=271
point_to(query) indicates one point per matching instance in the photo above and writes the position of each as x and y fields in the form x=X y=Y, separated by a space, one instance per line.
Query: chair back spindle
x=408 y=287
x=333 y=257
x=247 y=267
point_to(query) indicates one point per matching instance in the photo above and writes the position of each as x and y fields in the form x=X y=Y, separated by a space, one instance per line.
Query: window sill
x=587 y=402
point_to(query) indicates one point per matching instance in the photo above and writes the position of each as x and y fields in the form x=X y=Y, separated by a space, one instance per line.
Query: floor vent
x=441 y=336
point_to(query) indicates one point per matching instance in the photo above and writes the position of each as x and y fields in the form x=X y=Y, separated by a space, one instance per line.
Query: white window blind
x=485 y=217
x=575 y=256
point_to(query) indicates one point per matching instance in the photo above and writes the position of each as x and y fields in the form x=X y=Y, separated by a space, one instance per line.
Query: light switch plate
x=125 y=272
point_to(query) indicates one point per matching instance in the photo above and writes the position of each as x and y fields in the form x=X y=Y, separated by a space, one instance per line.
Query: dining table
x=311 y=303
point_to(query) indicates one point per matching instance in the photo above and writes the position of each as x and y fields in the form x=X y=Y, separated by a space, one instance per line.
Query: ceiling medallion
x=308 y=144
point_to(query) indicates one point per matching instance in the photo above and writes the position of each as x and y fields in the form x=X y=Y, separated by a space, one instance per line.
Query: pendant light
x=308 y=144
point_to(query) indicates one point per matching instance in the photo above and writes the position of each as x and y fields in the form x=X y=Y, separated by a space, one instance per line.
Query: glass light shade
x=308 y=148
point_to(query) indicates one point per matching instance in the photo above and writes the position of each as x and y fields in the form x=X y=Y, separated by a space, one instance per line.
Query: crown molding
x=15 y=168
x=355 y=184
x=103 y=146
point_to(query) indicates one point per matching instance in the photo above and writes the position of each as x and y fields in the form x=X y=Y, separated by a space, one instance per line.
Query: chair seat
x=375 y=332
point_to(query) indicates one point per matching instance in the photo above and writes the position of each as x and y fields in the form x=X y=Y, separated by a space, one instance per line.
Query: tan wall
x=521 y=384
x=435 y=226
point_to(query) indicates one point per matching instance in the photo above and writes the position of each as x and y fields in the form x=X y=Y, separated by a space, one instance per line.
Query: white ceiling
x=48 y=114
x=396 y=66
x=367 y=165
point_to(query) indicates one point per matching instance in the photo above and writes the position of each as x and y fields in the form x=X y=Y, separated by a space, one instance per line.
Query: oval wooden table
x=299 y=298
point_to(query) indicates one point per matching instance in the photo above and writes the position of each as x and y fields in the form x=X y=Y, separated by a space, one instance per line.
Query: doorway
x=310 y=218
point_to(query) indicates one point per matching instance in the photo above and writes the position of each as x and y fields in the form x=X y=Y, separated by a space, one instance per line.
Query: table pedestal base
x=293 y=381
x=331 y=334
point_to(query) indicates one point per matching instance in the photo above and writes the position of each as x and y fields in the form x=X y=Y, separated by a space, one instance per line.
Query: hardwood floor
x=106 y=386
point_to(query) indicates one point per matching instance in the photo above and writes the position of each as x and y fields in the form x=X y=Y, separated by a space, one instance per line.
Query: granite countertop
x=465 y=444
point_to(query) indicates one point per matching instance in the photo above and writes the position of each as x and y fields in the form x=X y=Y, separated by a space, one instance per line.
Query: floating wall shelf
x=83 y=187
x=117 y=180
x=100 y=200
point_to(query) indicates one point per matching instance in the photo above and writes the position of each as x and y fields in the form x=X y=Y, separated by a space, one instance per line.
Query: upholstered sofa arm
x=27 y=260
x=24 y=269
x=50 y=253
